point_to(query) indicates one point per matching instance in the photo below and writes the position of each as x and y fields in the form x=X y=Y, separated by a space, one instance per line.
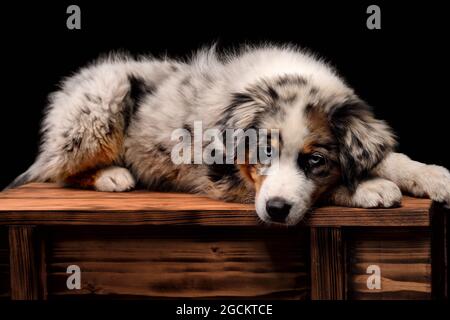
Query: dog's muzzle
x=278 y=209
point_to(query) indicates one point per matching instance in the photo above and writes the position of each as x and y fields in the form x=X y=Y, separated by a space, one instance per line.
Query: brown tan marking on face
x=251 y=173
x=320 y=131
x=321 y=141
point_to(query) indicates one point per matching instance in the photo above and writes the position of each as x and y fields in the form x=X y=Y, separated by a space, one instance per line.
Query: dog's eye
x=316 y=159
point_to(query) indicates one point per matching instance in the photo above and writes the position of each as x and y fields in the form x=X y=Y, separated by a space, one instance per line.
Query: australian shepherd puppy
x=110 y=126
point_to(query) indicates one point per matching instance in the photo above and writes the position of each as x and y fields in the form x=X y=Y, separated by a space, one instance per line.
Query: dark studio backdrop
x=401 y=70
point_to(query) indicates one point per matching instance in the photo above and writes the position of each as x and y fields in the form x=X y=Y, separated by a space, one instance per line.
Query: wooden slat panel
x=47 y=204
x=404 y=257
x=24 y=268
x=4 y=264
x=180 y=262
x=327 y=264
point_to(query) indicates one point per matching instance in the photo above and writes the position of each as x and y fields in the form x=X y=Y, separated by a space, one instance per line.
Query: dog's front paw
x=431 y=181
x=377 y=193
x=114 y=179
x=372 y=193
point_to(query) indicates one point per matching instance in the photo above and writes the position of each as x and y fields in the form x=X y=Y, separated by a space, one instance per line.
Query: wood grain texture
x=404 y=257
x=327 y=264
x=23 y=263
x=188 y=262
x=48 y=204
x=4 y=264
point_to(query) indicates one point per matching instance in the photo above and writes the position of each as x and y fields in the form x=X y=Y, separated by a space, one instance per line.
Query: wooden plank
x=321 y=217
x=404 y=259
x=23 y=263
x=48 y=204
x=47 y=196
x=188 y=262
x=115 y=218
x=4 y=264
x=414 y=212
x=327 y=264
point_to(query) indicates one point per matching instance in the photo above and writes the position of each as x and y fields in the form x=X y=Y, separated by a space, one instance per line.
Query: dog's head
x=326 y=137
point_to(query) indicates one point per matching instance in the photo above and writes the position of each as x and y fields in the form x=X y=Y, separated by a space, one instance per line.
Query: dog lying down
x=112 y=125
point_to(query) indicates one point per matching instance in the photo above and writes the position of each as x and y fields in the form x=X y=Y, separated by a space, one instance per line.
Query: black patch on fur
x=76 y=142
x=329 y=146
x=73 y=144
x=261 y=98
x=110 y=127
x=280 y=140
x=161 y=148
x=138 y=89
x=291 y=80
x=224 y=173
x=346 y=111
x=309 y=108
x=240 y=98
x=188 y=128
x=255 y=123
x=237 y=100
x=273 y=93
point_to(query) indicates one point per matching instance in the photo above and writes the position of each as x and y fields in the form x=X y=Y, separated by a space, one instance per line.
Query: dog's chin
x=294 y=219
x=291 y=219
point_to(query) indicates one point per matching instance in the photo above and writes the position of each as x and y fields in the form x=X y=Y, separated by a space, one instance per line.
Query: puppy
x=111 y=125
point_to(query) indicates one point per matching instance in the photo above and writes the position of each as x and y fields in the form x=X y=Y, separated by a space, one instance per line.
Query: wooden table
x=166 y=245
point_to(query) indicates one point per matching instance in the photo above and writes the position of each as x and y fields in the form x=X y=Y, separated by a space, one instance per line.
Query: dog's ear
x=363 y=141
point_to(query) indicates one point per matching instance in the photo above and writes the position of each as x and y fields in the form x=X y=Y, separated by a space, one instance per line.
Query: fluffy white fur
x=416 y=178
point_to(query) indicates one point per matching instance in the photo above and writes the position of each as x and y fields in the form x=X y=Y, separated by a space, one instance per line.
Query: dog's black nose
x=278 y=209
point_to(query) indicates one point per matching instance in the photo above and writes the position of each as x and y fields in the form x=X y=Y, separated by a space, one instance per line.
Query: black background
x=157 y=309
x=402 y=70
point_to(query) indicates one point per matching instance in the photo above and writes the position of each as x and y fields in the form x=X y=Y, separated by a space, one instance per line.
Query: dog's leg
x=110 y=179
x=416 y=178
x=371 y=193
x=84 y=129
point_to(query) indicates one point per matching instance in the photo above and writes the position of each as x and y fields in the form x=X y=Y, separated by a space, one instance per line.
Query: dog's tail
x=34 y=173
